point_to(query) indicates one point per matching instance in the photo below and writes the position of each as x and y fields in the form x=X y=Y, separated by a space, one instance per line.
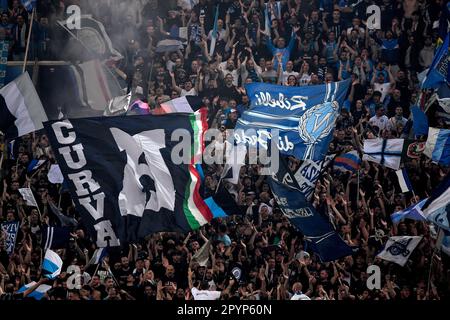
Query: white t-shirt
x=304 y=80
x=286 y=75
x=205 y=294
x=300 y=296
x=381 y=122
x=191 y=92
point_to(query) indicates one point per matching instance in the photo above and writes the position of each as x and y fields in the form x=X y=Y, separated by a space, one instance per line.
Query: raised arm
x=174 y=83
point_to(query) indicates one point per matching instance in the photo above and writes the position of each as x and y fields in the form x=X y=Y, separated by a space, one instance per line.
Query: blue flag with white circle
x=304 y=117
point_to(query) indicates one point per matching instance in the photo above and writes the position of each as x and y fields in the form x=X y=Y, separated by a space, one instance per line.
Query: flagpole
x=431 y=264
x=37 y=205
x=17 y=164
x=357 y=192
x=114 y=278
x=414 y=194
x=28 y=41
x=95 y=272
x=59 y=200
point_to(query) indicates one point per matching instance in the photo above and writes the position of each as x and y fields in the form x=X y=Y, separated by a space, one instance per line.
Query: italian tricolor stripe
x=195 y=209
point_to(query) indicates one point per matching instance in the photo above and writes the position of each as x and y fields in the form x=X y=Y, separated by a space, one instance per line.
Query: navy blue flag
x=438 y=72
x=420 y=121
x=130 y=187
x=10 y=229
x=55 y=237
x=63 y=220
x=443 y=20
x=317 y=230
x=304 y=116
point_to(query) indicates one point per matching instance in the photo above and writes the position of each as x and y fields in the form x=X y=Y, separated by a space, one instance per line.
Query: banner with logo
x=308 y=174
x=317 y=229
x=304 y=117
x=132 y=186
x=10 y=230
x=398 y=249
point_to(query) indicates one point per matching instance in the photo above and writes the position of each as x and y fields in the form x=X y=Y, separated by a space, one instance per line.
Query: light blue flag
x=420 y=121
x=438 y=72
x=403 y=180
x=438 y=145
x=52 y=265
x=413 y=212
x=437 y=208
x=29 y=4
x=216 y=210
x=35 y=164
x=304 y=117
x=37 y=294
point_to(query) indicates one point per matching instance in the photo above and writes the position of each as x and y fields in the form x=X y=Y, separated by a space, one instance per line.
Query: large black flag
x=122 y=175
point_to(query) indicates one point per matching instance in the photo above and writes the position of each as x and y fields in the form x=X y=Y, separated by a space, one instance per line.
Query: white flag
x=398 y=249
x=54 y=174
x=21 y=110
x=387 y=152
x=28 y=196
x=235 y=159
x=202 y=255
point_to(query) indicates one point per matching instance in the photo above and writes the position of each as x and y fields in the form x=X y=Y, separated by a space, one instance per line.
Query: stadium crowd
x=309 y=42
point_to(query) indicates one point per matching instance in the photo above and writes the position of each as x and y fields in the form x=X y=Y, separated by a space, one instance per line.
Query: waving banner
x=10 y=230
x=317 y=229
x=304 y=117
x=131 y=186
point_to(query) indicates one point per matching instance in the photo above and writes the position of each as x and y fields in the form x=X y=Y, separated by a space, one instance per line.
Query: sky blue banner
x=304 y=116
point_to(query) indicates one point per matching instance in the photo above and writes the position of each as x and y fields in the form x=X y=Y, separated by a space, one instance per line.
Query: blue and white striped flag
x=52 y=265
x=35 y=164
x=29 y=4
x=438 y=146
x=413 y=212
x=403 y=180
x=37 y=294
x=98 y=256
x=438 y=71
x=437 y=208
